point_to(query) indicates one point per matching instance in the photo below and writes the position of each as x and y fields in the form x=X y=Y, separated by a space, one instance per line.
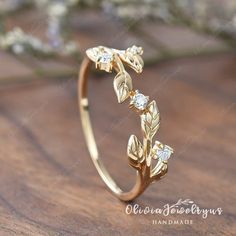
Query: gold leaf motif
x=122 y=86
x=135 y=151
x=134 y=61
x=159 y=172
x=150 y=120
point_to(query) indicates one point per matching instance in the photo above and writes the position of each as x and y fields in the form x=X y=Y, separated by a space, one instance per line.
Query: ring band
x=150 y=160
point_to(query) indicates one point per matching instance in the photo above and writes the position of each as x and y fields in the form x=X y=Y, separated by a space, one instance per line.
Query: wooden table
x=48 y=185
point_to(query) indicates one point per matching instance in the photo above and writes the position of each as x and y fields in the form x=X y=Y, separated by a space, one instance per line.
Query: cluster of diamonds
x=106 y=59
x=159 y=150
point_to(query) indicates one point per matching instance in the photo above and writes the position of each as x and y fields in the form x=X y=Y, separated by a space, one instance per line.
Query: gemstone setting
x=139 y=101
x=136 y=50
x=105 y=61
x=106 y=58
x=161 y=151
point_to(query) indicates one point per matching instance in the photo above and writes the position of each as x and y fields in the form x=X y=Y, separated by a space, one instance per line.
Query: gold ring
x=150 y=160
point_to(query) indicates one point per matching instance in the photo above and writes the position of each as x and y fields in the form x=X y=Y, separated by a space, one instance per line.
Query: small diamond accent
x=140 y=101
x=162 y=152
x=136 y=50
x=106 y=58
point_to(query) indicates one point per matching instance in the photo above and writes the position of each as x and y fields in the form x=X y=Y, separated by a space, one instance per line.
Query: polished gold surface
x=141 y=154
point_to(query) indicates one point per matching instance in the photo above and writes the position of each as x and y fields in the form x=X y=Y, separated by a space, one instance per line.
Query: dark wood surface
x=49 y=186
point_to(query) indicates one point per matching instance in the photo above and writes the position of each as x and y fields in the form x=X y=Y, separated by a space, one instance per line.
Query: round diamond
x=164 y=154
x=140 y=101
x=106 y=58
x=136 y=50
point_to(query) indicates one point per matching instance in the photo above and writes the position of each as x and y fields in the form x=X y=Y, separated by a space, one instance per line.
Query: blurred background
x=47 y=38
x=48 y=185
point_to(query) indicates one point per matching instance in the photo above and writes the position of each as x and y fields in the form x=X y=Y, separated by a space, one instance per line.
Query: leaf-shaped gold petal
x=135 y=151
x=134 y=61
x=122 y=86
x=159 y=173
x=95 y=52
x=150 y=120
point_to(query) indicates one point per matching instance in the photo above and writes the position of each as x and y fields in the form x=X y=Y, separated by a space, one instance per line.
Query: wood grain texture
x=48 y=185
